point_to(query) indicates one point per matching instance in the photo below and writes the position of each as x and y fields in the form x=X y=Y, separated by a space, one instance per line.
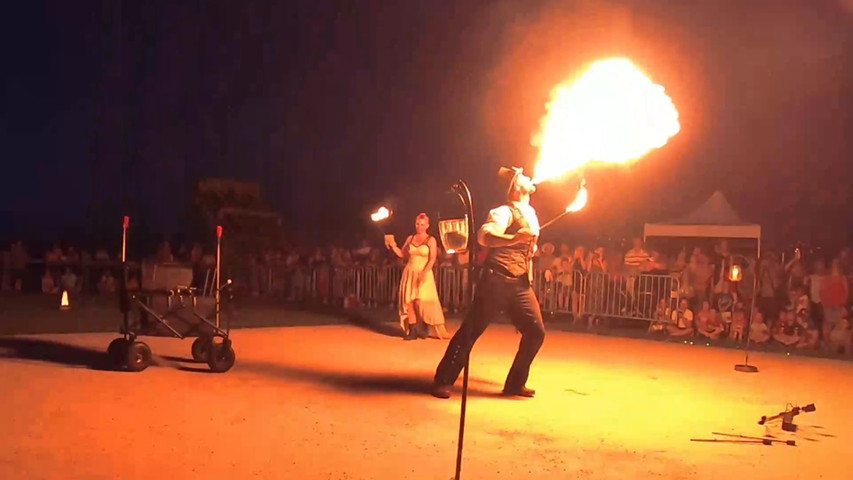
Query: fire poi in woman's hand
x=382 y=213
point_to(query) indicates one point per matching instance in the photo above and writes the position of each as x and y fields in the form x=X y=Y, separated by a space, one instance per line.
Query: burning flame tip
x=380 y=214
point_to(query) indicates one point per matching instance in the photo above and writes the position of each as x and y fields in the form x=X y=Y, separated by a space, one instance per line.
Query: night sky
x=114 y=108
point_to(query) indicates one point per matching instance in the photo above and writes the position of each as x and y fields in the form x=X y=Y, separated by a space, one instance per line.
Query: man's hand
x=523 y=236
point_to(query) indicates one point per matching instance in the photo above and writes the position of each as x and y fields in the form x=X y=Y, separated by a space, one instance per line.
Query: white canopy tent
x=713 y=219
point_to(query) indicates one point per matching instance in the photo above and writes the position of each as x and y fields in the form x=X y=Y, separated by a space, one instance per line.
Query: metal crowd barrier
x=577 y=293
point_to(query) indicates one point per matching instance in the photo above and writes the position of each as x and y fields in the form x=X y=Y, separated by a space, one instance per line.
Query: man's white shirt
x=500 y=218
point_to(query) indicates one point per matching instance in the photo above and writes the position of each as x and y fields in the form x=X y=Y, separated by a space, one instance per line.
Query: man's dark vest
x=513 y=260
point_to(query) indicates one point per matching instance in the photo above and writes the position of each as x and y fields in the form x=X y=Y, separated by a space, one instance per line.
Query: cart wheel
x=219 y=358
x=117 y=351
x=138 y=357
x=200 y=347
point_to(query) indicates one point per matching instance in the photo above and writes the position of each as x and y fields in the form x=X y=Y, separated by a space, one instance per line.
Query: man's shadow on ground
x=365 y=383
x=44 y=350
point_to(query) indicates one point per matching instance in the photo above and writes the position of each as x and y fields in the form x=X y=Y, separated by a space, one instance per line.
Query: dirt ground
x=343 y=402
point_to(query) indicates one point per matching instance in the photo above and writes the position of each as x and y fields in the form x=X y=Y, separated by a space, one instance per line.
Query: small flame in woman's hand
x=380 y=214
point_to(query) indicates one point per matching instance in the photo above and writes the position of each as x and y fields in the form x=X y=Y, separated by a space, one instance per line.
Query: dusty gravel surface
x=341 y=402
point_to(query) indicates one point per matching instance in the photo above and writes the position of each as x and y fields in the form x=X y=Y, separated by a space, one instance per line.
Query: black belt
x=502 y=272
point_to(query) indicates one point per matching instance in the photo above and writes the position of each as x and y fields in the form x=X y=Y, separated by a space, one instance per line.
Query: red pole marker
x=219 y=231
x=126 y=221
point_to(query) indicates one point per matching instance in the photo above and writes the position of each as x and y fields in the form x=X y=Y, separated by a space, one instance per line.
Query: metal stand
x=745 y=367
x=464 y=193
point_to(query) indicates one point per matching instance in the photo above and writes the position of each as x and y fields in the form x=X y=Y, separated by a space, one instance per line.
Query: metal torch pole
x=461 y=189
x=218 y=264
x=124 y=226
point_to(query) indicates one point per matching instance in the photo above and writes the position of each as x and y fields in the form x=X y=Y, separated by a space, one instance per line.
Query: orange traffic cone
x=63 y=304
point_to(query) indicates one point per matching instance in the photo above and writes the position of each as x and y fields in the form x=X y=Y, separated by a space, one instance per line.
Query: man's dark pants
x=496 y=293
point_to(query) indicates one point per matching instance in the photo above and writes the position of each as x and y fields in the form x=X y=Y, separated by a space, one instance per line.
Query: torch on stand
x=736 y=276
x=460 y=188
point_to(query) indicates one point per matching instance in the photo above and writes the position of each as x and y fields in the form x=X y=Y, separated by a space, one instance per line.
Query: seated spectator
x=48 y=286
x=809 y=336
x=798 y=300
x=759 y=332
x=737 y=331
x=713 y=327
x=787 y=331
x=840 y=339
x=68 y=280
x=681 y=321
x=661 y=318
x=725 y=301
x=107 y=284
x=703 y=314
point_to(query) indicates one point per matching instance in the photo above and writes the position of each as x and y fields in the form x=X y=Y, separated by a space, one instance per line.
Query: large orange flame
x=612 y=114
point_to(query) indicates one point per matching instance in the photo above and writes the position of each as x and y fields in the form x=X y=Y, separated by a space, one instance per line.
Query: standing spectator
x=102 y=256
x=19 y=259
x=814 y=282
x=795 y=272
x=636 y=258
x=770 y=278
x=544 y=260
x=834 y=292
x=164 y=253
x=563 y=281
x=565 y=252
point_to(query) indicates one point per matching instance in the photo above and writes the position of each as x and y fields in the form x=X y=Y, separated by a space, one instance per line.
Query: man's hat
x=510 y=174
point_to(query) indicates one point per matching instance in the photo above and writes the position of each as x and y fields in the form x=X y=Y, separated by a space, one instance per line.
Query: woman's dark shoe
x=413 y=333
x=422 y=330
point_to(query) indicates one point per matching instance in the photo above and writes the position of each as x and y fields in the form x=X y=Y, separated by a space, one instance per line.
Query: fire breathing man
x=504 y=284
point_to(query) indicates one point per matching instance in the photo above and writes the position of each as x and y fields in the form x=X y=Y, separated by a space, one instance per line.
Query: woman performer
x=419 y=307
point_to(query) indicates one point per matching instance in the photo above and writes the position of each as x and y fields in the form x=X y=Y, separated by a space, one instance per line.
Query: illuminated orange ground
x=341 y=402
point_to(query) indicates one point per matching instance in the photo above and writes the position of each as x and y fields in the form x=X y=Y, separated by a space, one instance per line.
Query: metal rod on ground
x=718 y=440
x=772 y=440
x=462 y=188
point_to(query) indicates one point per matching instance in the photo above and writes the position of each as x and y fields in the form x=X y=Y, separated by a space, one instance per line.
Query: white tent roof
x=715 y=219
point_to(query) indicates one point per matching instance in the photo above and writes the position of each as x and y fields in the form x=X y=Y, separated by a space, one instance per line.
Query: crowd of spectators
x=801 y=302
